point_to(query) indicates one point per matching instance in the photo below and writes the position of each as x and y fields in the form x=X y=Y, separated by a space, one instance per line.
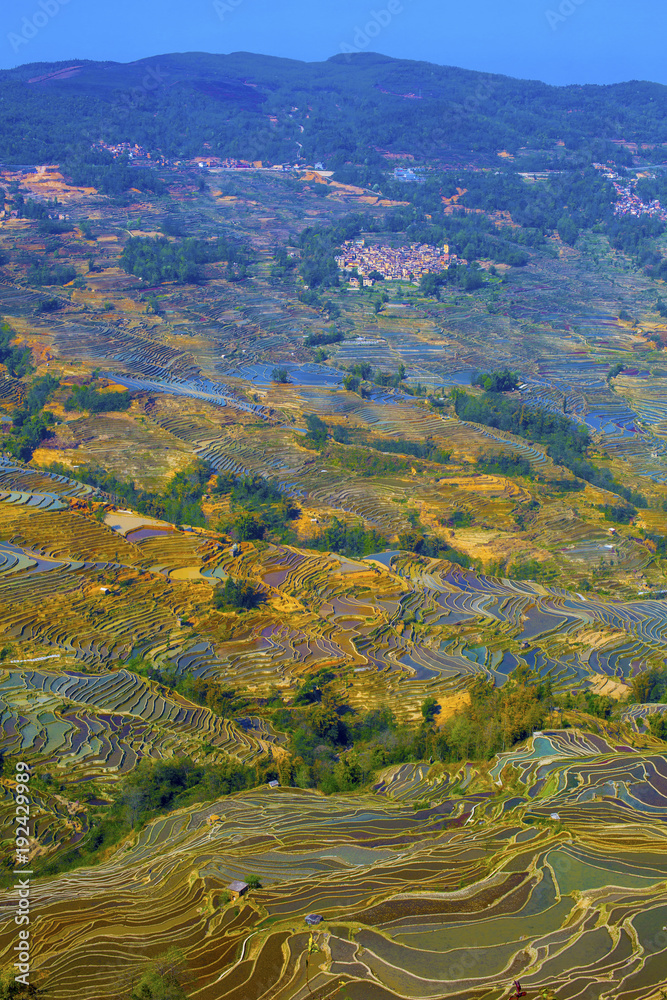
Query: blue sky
x=559 y=41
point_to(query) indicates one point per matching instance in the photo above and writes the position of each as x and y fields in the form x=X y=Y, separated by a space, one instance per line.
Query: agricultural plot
x=545 y=863
x=466 y=891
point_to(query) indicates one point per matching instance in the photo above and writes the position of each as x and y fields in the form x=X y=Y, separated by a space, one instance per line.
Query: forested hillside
x=352 y=107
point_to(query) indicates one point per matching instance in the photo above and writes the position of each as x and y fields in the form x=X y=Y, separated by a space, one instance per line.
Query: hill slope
x=260 y=107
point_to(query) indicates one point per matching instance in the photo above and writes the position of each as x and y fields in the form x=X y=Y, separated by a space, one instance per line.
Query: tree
x=499 y=381
x=650 y=686
x=280 y=375
x=658 y=725
x=235 y=595
x=317 y=431
x=164 y=979
x=10 y=989
x=253 y=881
x=430 y=708
x=568 y=230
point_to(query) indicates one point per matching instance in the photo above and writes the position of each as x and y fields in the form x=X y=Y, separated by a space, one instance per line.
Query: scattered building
x=408 y=175
x=137 y=154
x=237 y=889
x=313 y=919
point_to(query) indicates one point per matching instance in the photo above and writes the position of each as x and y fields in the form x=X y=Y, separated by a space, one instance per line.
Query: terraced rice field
x=464 y=894
x=545 y=864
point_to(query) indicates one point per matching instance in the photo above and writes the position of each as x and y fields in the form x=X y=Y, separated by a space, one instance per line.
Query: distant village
x=629 y=202
x=141 y=157
x=407 y=263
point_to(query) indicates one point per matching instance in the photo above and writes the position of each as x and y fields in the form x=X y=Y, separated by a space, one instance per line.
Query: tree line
x=566 y=442
x=157 y=259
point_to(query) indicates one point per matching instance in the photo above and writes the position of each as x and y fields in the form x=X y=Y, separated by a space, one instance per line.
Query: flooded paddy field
x=544 y=863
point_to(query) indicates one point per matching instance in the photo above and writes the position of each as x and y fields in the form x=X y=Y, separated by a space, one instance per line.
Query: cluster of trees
x=87 y=397
x=235 y=595
x=319 y=432
x=365 y=462
x=515 y=416
x=428 y=449
x=17 y=360
x=179 y=502
x=586 y=193
x=390 y=381
x=165 y=978
x=12 y=989
x=432 y=548
x=363 y=372
x=257 y=507
x=53 y=227
x=284 y=264
x=567 y=485
x=598 y=705
x=531 y=569
x=496 y=718
x=31 y=423
x=224 y=701
x=653 y=188
x=227 y=702
x=467 y=278
x=48 y=274
x=26 y=208
x=650 y=686
x=619 y=513
x=113 y=176
x=334 y=748
x=539 y=209
x=347 y=539
x=157 y=260
x=325 y=337
x=504 y=465
x=318 y=250
x=502 y=381
x=152 y=789
x=657 y=723
x=635 y=236
x=566 y=442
